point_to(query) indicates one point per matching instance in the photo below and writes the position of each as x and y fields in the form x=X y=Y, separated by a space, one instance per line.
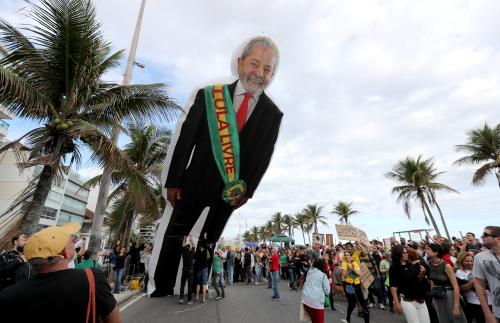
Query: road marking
x=132 y=302
x=190 y=309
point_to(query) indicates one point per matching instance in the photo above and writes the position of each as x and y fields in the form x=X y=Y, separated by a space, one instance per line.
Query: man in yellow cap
x=56 y=293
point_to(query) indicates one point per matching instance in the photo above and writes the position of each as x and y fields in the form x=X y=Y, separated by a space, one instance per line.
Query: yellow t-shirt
x=350 y=279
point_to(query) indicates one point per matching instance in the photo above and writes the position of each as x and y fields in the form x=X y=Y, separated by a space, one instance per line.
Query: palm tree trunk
x=32 y=216
x=97 y=232
x=434 y=224
x=443 y=221
x=303 y=236
x=498 y=176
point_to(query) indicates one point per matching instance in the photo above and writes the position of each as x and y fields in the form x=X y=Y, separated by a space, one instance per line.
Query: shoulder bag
x=91 y=303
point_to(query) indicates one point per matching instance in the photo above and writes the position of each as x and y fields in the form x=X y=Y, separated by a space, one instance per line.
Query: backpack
x=248 y=259
x=9 y=263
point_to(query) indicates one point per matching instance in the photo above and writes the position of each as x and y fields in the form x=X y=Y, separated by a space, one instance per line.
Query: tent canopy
x=281 y=238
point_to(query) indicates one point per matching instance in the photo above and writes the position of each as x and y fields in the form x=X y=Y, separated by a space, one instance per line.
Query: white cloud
x=363 y=84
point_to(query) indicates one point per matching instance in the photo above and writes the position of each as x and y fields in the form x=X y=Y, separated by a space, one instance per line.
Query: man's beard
x=20 y=249
x=252 y=87
x=488 y=245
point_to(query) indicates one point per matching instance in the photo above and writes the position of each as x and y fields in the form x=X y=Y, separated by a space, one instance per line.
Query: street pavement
x=243 y=304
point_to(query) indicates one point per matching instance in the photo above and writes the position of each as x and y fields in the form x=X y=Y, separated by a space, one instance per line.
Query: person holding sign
x=221 y=153
x=351 y=274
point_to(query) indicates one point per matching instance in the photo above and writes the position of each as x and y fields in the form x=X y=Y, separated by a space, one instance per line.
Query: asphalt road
x=243 y=304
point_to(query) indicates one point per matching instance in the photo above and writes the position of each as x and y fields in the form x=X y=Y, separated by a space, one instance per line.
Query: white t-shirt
x=471 y=294
x=487 y=268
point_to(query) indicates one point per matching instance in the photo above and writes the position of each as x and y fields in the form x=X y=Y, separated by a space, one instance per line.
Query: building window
x=74 y=204
x=77 y=190
x=68 y=217
x=54 y=196
x=48 y=213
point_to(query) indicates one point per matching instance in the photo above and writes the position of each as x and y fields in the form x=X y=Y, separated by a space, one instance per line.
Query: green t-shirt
x=216 y=264
x=88 y=264
x=283 y=259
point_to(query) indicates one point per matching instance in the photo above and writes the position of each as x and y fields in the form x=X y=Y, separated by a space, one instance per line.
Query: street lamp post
x=97 y=232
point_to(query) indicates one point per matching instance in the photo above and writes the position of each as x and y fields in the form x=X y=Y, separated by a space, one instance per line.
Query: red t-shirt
x=447 y=259
x=275 y=262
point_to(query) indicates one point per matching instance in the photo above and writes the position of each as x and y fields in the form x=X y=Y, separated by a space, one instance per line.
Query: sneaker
x=218 y=297
x=203 y=300
x=382 y=307
x=275 y=298
x=370 y=305
x=196 y=300
x=190 y=303
x=180 y=301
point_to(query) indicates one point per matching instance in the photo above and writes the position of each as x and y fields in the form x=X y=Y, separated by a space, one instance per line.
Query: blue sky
x=362 y=84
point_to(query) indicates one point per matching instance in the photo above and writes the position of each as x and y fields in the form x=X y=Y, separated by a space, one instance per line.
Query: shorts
x=201 y=277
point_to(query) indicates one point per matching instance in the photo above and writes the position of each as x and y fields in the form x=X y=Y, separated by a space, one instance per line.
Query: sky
x=362 y=84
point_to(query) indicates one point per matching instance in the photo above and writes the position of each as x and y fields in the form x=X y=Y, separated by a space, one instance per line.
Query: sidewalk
x=124 y=295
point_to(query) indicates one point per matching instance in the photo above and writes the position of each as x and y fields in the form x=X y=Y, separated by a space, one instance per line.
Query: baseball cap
x=50 y=241
x=412 y=244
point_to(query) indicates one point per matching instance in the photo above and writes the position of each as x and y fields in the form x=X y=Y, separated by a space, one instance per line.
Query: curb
x=126 y=298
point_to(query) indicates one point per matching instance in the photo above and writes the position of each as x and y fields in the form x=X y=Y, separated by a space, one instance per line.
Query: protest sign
x=351 y=233
x=318 y=238
x=366 y=277
x=329 y=240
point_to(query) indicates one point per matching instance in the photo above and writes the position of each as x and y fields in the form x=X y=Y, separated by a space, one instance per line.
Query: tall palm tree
x=277 y=219
x=255 y=233
x=344 y=210
x=138 y=195
x=416 y=178
x=302 y=221
x=266 y=231
x=53 y=75
x=482 y=147
x=432 y=187
x=288 y=224
x=248 y=236
x=313 y=212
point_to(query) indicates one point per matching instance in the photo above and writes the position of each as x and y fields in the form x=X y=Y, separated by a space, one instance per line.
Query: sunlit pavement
x=242 y=304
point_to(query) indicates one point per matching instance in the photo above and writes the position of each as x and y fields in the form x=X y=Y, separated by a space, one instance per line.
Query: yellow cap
x=50 y=241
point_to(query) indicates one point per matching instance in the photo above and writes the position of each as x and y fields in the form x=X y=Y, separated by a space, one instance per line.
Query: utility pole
x=97 y=232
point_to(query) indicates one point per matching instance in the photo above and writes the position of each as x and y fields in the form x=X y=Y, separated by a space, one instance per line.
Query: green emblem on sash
x=225 y=140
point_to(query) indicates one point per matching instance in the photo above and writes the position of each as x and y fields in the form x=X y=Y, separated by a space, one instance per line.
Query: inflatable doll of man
x=218 y=156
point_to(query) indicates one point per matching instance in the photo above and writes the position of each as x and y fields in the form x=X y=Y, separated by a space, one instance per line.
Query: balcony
x=4 y=128
x=4 y=125
x=4 y=114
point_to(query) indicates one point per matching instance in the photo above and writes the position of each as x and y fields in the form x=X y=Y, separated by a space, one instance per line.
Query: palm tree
x=344 y=210
x=255 y=233
x=54 y=75
x=277 y=219
x=302 y=221
x=416 y=179
x=312 y=211
x=483 y=146
x=288 y=224
x=248 y=236
x=138 y=195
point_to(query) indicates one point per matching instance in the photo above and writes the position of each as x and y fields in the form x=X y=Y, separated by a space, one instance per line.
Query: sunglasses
x=486 y=235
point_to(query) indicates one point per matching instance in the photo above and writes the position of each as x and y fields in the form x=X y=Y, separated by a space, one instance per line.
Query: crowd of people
x=434 y=280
